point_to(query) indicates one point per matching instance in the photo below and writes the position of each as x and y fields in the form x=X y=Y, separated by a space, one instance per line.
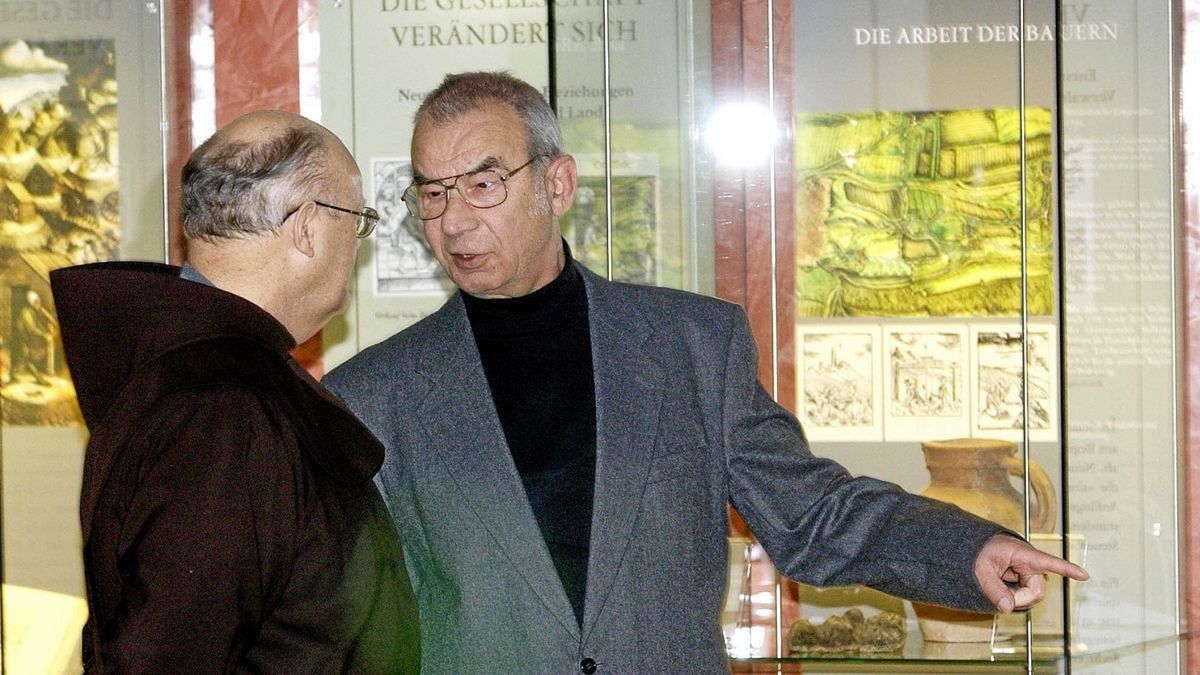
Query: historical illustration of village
x=403 y=262
x=58 y=207
x=925 y=392
x=1000 y=382
x=838 y=384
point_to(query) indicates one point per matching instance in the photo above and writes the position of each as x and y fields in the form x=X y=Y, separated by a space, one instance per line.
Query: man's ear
x=300 y=229
x=561 y=181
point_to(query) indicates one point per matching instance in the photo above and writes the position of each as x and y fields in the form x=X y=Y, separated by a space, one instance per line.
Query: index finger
x=1048 y=563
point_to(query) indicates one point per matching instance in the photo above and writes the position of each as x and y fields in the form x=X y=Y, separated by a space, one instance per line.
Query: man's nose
x=459 y=216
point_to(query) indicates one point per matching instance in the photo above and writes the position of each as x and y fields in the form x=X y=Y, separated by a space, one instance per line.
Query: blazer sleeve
x=824 y=527
x=207 y=532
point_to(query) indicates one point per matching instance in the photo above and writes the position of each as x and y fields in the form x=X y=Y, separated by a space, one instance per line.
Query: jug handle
x=1041 y=519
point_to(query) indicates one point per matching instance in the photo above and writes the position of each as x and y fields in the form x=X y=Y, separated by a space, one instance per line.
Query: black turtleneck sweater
x=537 y=355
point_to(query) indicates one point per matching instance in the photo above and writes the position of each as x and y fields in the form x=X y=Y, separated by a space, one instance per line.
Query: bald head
x=246 y=178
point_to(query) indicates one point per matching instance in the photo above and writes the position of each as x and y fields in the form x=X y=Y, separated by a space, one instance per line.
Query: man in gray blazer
x=561 y=449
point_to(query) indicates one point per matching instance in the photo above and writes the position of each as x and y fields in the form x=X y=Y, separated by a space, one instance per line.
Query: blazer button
x=587 y=666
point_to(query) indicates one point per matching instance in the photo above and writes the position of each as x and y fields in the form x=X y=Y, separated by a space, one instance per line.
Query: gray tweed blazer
x=683 y=428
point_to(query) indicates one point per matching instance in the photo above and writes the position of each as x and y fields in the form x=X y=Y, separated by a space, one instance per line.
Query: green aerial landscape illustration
x=635 y=227
x=902 y=214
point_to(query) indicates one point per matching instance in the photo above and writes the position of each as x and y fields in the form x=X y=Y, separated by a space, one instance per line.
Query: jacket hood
x=117 y=316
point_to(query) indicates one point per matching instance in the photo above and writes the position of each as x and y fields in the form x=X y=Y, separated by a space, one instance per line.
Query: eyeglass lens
x=364 y=223
x=481 y=189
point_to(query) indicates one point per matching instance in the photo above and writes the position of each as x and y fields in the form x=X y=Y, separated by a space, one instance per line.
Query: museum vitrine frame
x=652 y=106
x=81 y=180
x=956 y=206
x=1082 y=98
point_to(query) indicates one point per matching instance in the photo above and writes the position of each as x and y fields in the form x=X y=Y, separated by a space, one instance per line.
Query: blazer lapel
x=629 y=389
x=460 y=418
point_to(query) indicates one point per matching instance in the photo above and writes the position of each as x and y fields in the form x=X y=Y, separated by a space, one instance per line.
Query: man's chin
x=339 y=309
x=471 y=284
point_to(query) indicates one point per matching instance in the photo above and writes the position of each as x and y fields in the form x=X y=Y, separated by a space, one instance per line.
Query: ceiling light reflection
x=741 y=134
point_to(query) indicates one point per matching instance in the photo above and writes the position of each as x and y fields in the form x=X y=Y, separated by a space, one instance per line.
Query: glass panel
x=81 y=180
x=637 y=141
x=1121 y=309
x=377 y=61
x=940 y=217
x=935 y=254
x=925 y=271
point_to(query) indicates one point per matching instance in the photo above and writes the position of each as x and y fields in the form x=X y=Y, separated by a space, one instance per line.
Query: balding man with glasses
x=229 y=518
x=561 y=449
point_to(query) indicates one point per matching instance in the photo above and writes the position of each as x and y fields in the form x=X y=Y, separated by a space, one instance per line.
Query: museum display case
x=952 y=225
x=81 y=180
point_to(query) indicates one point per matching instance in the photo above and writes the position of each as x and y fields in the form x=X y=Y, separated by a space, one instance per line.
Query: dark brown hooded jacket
x=229 y=518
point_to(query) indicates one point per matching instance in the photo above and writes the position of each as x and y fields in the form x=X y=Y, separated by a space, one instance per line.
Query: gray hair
x=461 y=93
x=235 y=188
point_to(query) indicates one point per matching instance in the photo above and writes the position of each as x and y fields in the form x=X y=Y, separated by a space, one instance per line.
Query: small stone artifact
x=849 y=633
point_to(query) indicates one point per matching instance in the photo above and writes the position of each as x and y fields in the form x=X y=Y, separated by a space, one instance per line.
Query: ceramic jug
x=973 y=473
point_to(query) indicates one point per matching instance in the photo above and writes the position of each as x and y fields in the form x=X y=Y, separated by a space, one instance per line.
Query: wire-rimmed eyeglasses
x=483 y=189
x=364 y=221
